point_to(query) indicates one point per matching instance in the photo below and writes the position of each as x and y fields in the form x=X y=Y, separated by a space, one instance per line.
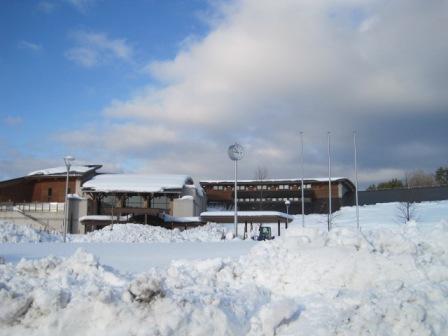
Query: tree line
x=417 y=178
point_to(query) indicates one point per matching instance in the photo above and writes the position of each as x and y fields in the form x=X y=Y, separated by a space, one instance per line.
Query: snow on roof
x=308 y=179
x=103 y=218
x=63 y=170
x=75 y=196
x=168 y=218
x=136 y=183
x=246 y=214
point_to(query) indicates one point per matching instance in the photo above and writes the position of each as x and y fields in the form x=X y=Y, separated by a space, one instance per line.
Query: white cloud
x=46 y=6
x=82 y=5
x=34 y=47
x=268 y=69
x=94 y=49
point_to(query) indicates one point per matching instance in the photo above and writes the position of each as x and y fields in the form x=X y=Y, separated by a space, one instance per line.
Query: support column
x=245 y=229
x=279 y=227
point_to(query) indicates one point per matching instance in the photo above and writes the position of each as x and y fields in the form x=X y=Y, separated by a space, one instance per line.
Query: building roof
x=62 y=170
x=173 y=219
x=245 y=216
x=137 y=183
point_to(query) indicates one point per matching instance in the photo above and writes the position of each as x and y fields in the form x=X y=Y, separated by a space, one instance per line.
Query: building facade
x=273 y=194
x=98 y=199
x=46 y=185
x=142 y=198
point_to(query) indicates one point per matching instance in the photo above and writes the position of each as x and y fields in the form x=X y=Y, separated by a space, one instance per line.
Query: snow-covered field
x=388 y=279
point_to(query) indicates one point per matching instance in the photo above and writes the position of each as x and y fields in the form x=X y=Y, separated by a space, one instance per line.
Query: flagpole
x=301 y=180
x=356 y=179
x=329 y=182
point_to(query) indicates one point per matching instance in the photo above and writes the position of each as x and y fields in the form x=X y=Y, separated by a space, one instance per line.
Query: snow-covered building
x=99 y=199
x=46 y=185
x=38 y=197
x=143 y=198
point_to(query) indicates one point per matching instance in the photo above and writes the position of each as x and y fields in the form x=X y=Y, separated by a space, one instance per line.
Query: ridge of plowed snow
x=383 y=282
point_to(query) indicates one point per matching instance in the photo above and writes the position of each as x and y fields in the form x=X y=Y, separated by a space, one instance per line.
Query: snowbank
x=308 y=282
x=138 y=233
x=12 y=233
x=124 y=233
x=388 y=279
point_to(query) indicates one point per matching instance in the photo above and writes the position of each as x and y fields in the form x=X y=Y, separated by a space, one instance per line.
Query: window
x=50 y=192
x=258 y=187
x=69 y=190
x=134 y=202
x=280 y=186
x=161 y=202
x=265 y=187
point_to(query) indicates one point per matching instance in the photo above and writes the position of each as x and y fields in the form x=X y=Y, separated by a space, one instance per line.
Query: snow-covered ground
x=137 y=233
x=13 y=233
x=126 y=257
x=389 y=279
x=118 y=233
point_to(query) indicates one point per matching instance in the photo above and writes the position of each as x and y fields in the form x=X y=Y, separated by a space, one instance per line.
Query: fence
x=33 y=207
x=421 y=194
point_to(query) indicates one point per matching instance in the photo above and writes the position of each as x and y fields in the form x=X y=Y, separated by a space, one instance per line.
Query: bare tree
x=406 y=210
x=419 y=178
x=261 y=174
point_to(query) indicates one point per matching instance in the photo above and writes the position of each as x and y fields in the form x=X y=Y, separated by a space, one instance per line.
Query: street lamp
x=68 y=163
x=236 y=153
x=287 y=203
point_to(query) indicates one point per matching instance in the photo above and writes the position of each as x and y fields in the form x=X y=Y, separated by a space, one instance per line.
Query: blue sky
x=43 y=91
x=165 y=86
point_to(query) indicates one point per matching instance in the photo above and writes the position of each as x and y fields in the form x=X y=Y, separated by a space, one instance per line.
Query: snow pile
x=12 y=233
x=308 y=282
x=139 y=233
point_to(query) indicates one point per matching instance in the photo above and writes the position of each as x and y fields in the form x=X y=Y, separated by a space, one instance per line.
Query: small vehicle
x=265 y=233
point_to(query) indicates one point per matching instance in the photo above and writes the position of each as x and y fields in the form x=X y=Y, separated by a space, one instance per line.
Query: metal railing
x=33 y=207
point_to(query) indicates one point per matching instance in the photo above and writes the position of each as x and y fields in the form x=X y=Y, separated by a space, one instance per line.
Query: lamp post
x=287 y=203
x=68 y=162
x=236 y=153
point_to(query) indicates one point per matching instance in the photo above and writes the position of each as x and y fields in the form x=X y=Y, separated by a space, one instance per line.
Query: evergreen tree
x=391 y=184
x=442 y=176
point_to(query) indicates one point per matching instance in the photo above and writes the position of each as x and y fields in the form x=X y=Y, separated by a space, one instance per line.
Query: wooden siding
x=28 y=190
